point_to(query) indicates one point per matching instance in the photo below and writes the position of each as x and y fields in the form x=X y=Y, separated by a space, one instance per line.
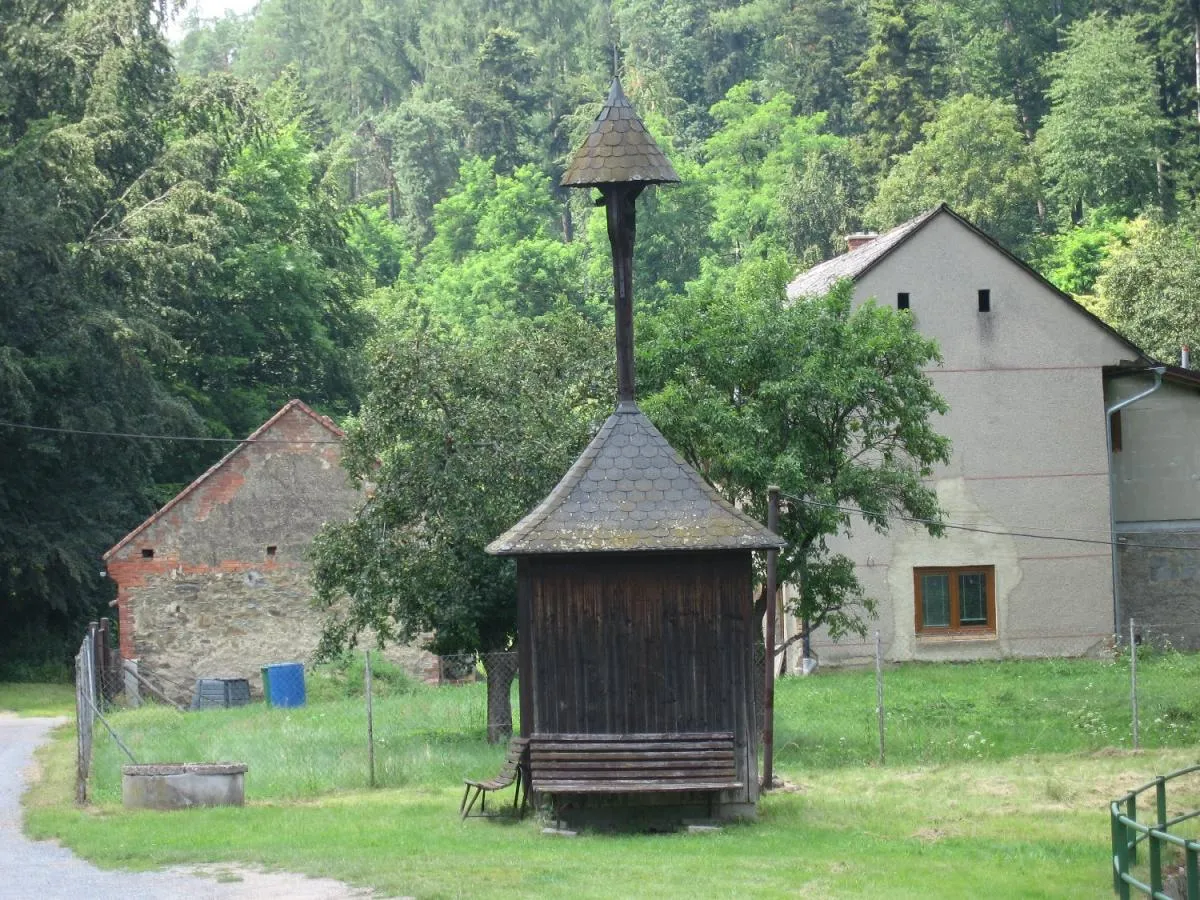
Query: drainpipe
x=1158 y=372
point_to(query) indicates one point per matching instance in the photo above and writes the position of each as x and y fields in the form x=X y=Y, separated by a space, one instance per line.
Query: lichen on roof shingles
x=630 y=491
x=618 y=149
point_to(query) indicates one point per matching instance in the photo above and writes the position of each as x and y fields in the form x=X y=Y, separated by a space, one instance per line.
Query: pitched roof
x=258 y=434
x=618 y=149
x=630 y=491
x=856 y=263
x=821 y=277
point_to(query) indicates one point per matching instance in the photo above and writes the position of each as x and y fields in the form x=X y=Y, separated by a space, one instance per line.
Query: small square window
x=955 y=600
x=147 y=553
x=271 y=551
x=985 y=300
x=902 y=300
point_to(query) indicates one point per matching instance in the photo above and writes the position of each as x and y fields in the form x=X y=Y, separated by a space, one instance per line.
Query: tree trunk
x=500 y=669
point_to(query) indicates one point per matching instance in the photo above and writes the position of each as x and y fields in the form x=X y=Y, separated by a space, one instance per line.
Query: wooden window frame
x=954 y=628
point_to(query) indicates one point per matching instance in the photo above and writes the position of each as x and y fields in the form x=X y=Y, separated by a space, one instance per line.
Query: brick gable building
x=216 y=583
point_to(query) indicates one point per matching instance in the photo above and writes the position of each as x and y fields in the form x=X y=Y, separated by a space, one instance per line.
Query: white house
x=1028 y=375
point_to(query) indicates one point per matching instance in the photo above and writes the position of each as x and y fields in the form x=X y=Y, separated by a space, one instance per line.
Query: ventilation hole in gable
x=271 y=551
x=147 y=553
x=985 y=300
x=902 y=300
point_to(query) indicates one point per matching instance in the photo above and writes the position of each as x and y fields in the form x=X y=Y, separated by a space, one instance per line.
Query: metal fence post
x=772 y=588
x=1193 y=872
x=1115 y=832
x=879 y=695
x=1156 y=880
x=1121 y=839
x=1133 y=698
x=1160 y=801
x=370 y=722
x=1131 y=835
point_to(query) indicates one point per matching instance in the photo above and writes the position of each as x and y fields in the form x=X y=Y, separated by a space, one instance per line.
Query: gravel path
x=41 y=870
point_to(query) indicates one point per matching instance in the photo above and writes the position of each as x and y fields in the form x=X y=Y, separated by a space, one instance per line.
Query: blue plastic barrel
x=283 y=684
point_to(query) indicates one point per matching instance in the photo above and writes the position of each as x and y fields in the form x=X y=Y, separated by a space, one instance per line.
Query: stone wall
x=232 y=621
x=1160 y=588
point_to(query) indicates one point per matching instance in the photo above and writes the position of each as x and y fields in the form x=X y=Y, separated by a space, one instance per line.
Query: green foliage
x=460 y=438
x=210 y=45
x=973 y=157
x=344 y=677
x=495 y=256
x=831 y=404
x=1076 y=257
x=1104 y=132
x=758 y=161
x=894 y=84
x=808 y=50
x=78 y=347
x=1149 y=287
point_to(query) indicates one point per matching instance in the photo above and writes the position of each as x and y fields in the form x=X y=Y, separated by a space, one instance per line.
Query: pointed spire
x=618 y=149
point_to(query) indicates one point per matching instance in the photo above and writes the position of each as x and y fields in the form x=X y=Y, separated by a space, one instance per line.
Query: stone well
x=180 y=785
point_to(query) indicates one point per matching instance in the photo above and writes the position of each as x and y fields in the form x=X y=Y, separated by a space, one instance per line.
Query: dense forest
x=191 y=234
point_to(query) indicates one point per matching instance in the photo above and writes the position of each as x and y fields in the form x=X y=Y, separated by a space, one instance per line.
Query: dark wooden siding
x=638 y=643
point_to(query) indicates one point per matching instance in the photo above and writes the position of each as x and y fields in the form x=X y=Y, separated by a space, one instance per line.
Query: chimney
x=1185 y=358
x=861 y=239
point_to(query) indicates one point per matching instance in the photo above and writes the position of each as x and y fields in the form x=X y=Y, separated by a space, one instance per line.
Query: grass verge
x=37 y=699
x=976 y=800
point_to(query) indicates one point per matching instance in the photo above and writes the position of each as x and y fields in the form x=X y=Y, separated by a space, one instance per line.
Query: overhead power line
x=980 y=529
x=164 y=437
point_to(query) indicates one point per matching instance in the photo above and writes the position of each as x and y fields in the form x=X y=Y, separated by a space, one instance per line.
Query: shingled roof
x=618 y=149
x=631 y=491
x=821 y=277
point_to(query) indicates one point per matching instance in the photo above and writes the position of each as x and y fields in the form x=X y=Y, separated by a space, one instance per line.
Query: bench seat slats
x=644 y=746
x=621 y=787
x=645 y=766
x=617 y=759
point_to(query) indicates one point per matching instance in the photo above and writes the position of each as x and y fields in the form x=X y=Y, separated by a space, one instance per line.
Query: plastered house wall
x=1156 y=478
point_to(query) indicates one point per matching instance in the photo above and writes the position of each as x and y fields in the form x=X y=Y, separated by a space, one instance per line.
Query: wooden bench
x=512 y=771
x=625 y=763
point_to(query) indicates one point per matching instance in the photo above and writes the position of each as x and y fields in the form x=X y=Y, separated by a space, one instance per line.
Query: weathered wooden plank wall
x=639 y=643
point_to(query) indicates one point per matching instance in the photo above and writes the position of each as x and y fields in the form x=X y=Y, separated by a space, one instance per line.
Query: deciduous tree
x=830 y=403
x=459 y=439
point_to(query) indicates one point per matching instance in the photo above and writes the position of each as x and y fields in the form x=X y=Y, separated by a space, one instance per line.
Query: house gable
x=941 y=262
x=274 y=489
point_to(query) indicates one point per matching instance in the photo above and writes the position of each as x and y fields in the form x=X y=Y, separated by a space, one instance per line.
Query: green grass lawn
x=996 y=785
x=37 y=699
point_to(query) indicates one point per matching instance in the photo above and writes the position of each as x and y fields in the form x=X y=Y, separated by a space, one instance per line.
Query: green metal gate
x=1128 y=833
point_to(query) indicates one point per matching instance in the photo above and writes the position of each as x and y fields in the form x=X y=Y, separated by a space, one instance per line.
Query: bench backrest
x=633 y=761
x=516 y=752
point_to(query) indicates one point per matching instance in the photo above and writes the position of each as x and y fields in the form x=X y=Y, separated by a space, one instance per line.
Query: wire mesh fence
x=438 y=718
x=460 y=694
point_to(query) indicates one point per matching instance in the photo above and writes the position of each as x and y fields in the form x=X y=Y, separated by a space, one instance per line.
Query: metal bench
x=512 y=771
x=628 y=763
